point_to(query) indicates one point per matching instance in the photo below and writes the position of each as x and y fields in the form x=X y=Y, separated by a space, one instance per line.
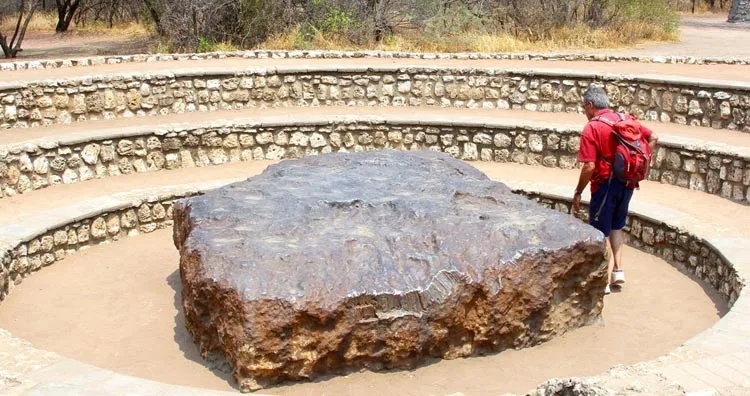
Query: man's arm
x=586 y=172
x=650 y=137
x=587 y=156
x=583 y=180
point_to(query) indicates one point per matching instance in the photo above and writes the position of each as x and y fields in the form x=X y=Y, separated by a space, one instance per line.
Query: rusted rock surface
x=377 y=260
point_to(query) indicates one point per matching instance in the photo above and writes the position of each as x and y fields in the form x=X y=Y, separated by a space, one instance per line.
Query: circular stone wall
x=710 y=252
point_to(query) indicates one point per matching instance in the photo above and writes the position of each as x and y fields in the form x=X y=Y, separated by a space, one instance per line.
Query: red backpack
x=633 y=154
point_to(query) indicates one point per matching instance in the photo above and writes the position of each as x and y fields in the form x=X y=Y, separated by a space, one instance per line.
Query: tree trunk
x=154 y=12
x=13 y=47
x=740 y=11
x=66 y=9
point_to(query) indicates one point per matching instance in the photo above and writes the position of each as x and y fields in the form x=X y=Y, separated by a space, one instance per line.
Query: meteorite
x=377 y=260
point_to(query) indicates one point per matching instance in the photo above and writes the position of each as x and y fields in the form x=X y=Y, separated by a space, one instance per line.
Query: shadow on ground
x=52 y=46
x=714 y=23
x=216 y=364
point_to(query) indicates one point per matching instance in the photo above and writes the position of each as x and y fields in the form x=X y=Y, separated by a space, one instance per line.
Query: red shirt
x=599 y=144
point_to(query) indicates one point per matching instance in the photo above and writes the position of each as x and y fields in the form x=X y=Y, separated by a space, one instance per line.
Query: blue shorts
x=609 y=206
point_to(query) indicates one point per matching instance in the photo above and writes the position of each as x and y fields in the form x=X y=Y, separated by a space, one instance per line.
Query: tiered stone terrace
x=103 y=124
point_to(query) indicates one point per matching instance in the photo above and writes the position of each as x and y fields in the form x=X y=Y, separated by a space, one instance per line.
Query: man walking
x=610 y=196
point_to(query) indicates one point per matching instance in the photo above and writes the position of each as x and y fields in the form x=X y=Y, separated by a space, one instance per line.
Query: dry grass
x=40 y=22
x=45 y=22
x=577 y=37
x=292 y=40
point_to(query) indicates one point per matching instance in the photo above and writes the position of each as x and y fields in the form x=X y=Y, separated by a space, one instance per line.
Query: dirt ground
x=702 y=36
x=118 y=307
x=37 y=45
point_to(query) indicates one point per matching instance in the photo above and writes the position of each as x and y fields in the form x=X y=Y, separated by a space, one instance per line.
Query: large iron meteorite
x=377 y=260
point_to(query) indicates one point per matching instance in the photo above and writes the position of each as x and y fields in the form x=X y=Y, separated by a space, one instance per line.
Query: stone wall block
x=113 y=224
x=129 y=219
x=41 y=165
x=536 y=143
x=133 y=100
x=90 y=153
x=520 y=141
x=574 y=144
x=482 y=138
x=77 y=105
x=125 y=147
x=98 y=228
x=470 y=152
x=144 y=213
x=107 y=153
x=95 y=102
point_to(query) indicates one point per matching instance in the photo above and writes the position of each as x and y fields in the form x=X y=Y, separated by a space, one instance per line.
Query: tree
x=154 y=10
x=740 y=11
x=66 y=9
x=12 y=47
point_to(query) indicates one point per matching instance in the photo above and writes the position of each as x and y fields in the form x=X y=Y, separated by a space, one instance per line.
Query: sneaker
x=618 y=277
x=607 y=290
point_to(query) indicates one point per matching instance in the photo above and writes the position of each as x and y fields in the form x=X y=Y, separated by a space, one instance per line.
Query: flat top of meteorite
x=341 y=225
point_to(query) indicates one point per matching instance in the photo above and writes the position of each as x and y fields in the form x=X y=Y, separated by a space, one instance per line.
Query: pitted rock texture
x=377 y=260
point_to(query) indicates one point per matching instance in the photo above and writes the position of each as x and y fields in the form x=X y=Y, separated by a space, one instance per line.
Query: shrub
x=381 y=23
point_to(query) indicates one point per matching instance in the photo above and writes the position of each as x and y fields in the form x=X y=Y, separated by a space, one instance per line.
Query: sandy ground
x=45 y=45
x=117 y=306
x=702 y=36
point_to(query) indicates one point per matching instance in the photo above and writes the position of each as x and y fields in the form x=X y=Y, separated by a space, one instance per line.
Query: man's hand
x=576 y=203
x=652 y=141
x=586 y=172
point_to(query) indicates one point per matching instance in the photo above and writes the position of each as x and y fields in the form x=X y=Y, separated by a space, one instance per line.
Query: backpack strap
x=604 y=120
x=609 y=122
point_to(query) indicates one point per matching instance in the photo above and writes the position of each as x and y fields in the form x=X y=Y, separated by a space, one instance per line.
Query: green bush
x=659 y=12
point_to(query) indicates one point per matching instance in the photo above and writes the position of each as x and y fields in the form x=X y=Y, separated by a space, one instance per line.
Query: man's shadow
x=216 y=364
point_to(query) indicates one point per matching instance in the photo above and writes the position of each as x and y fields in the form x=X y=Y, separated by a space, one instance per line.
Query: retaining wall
x=683 y=101
x=42 y=240
x=688 y=252
x=34 y=165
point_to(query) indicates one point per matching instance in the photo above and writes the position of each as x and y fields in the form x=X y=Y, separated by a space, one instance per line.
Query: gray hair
x=596 y=96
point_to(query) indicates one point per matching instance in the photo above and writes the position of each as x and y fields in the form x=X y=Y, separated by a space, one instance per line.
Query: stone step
x=586 y=56
x=724 y=72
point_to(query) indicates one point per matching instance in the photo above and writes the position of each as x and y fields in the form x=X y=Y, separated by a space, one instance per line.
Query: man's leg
x=617 y=235
x=616 y=239
x=601 y=209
